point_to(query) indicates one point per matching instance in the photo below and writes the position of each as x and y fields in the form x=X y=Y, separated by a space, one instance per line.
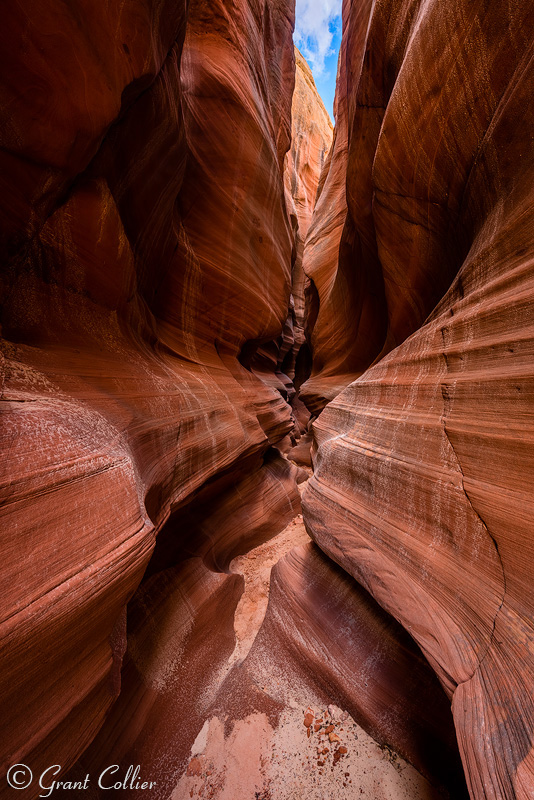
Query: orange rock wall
x=145 y=241
x=345 y=309
x=311 y=141
x=424 y=465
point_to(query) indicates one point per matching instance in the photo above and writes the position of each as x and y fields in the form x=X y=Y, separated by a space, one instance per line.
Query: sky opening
x=318 y=36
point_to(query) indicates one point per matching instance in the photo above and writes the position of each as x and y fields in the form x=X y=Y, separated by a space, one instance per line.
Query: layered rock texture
x=163 y=215
x=311 y=141
x=145 y=243
x=424 y=465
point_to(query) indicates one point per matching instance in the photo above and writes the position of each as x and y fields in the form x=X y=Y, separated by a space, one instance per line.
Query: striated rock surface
x=145 y=244
x=343 y=310
x=311 y=141
x=151 y=236
x=323 y=634
x=424 y=465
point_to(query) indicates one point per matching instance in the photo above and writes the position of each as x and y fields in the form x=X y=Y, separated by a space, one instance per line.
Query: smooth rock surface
x=325 y=637
x=311 y=142
x=146 y=241
x=424 y=467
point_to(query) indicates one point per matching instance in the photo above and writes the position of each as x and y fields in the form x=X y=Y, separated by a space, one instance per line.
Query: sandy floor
x=313 y=753
x=257 y=762
x=256 y=567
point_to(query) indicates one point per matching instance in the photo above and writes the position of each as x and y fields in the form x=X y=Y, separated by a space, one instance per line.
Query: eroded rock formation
x=145 y=242
x=334 y=639
x=311 y=141
x=424 y=466
x=153 y=218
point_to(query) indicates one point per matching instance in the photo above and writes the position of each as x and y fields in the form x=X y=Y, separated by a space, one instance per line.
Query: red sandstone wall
x=424 y=468
x=145 y=241
x=311 y=141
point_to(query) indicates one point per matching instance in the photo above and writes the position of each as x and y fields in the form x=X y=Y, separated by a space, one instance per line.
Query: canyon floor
x=313 y=752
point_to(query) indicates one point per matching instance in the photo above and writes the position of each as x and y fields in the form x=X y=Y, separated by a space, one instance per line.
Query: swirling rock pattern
x=146 y=241
x=311 y=139
x=323 y=631
x=424 y=466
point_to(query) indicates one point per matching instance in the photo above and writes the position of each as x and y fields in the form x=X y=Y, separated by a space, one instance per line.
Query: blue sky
x=318 y=36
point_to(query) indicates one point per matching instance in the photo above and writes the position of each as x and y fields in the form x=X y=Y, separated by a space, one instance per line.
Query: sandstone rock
x=338 y=642
x=335 y=713
x=336 y=303
x=422 y=488
x=311 y=141
x=194 y=767
x=145 y=243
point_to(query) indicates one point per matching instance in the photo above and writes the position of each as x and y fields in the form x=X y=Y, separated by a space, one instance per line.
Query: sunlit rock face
x=152 y=221
x=344 y=309
x=145 y=242
x=424 y=464
x=311 y=142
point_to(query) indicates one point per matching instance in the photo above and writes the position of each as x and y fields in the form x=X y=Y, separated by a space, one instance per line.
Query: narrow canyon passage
x=270 y=754
x=266 y=392
x=227 y=696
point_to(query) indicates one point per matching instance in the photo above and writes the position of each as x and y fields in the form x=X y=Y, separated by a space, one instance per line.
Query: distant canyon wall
x=311 y=143
x=421 y=257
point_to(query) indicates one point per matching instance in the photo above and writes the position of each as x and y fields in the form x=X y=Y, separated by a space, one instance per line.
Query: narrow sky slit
x=318 y=36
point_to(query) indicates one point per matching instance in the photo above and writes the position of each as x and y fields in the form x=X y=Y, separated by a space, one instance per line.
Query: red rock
x=308 y=719
x=311 y=141
x=424 y=468
x=374 y=669
x=194 y=767
x=146 y=246
x=148 y=332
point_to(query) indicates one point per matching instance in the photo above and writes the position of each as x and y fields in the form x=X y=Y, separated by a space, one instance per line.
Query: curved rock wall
x=145 y=242
x=324 y=632
x=344 y=305
x=149 y=241
x=311 y=140
x=424 y=467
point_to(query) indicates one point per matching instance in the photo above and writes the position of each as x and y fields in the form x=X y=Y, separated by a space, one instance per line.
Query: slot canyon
x=266 y=403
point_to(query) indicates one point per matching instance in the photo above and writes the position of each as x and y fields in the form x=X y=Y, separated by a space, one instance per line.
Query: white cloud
x=312 y=30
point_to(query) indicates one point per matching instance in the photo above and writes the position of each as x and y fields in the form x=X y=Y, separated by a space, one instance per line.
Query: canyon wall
x=311 y=141
x=157 y=241
x=146 y=245
x=284 y=363
x=421 y=258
